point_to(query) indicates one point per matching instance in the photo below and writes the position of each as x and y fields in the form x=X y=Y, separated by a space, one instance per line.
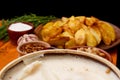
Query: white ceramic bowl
x=74 y=64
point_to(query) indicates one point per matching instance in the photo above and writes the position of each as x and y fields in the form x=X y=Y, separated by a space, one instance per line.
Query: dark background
x=104 y=10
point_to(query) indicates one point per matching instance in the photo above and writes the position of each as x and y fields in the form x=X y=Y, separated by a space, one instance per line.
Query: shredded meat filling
x=93 y=51
x=28 y=48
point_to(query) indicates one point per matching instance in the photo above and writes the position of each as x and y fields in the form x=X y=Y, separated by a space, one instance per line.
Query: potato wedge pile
x=77 y=31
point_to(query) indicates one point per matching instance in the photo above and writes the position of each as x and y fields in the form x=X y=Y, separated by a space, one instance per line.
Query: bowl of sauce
x=15 y=30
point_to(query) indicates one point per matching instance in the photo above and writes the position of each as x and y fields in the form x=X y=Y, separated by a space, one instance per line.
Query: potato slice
x=58 y=23
x=67 y=34
x=89 y=21
x=65 y=20
x=96 y=33
x=70 y=43
x=51 y=30
x=81 y=18
x=91 y=41
x=107 y=31
x=58 y=41
x=80 y=37
x=48 y=25
x=46 y=30
x=67 y=28
x=106 y=39
x=74 y=24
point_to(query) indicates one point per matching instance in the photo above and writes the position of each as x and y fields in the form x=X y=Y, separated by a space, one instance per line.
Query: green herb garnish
x=32 y=18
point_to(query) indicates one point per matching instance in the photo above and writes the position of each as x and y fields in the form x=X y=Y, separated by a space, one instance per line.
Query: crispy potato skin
x=80 y=37
x=77 y=31
x=96 y=33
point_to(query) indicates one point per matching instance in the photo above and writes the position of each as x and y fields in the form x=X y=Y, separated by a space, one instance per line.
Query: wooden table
x=8 y=53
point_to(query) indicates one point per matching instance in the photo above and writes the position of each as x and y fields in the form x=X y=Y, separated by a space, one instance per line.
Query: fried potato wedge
x=67 y=34
x=91 y=41
x=89 y=21
x=77 y=31
x=58 y=41
x=80 y=37
x=106 y=39
x=107 y=31
x=74 y=24
x=58 y=23
x=70 y=43
x=48 y=25
x=96 y=33
x=46 y=30
x=81 y=18
x=64 y=20
x=51 y=30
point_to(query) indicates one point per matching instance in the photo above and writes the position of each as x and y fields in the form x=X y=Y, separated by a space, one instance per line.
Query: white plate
x=62 y=64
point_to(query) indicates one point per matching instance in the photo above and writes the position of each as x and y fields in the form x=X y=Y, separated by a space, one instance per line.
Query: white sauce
x=19 y=27
x=61 y=68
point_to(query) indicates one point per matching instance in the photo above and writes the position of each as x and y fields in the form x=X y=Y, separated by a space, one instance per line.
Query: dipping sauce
x=17 y=27
x=60 y=67
x=16 y=30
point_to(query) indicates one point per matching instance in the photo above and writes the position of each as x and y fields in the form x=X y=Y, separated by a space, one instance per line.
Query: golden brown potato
x=80 y=37
x=58 y=23
x=89 y=21
x=67 y=34
x=70 y=43
x=105 y=37
x=45 y=30
x=77 y=31
x=90 y=39
x=96 y=33
x=58 y=41
x=48 y=25
x=81 y=18
x=94 y=19
x=74 y=24
x=64 y=20
x=67 y=28
x=109 y=29
x=51 y=30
